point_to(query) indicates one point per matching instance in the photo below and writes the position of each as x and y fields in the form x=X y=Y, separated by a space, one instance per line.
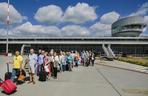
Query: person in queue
x=56 y=63
x=40 y=61
x=32 y=62
x=47 y=66
x=17 y=65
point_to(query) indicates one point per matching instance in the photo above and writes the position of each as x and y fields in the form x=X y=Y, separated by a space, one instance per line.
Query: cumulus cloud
x=3 y=32
x=49 y=14
x=143 y=10
x=80 y=13
x=75 y=30
x=103 y=27
x=110 y=17
x=145 y=31
x=27 y=29
x=15 y=16
x=100 y=29
x=33 y=30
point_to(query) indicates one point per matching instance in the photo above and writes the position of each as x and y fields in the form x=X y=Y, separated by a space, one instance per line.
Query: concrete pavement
x=128 y=83
x=86 y=81
x=124 y=65
x=81 y=82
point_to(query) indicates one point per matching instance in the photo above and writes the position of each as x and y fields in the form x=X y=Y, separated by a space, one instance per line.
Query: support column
x=23 y=47
x=110 y=50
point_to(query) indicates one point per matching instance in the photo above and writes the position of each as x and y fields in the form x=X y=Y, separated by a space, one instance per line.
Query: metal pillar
x=23 y=47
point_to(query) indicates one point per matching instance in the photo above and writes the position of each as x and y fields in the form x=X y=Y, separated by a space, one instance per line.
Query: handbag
x=46 y=67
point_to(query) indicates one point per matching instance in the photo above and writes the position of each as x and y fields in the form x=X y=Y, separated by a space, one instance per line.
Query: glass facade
x=138 y=50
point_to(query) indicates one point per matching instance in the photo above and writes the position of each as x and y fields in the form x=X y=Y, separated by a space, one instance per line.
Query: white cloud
x=3 y=32
x=143 y=10
x=146 y=19
x=49 y=14
x=103 y=27
x=74 y=30
x=38 y=30
x=27 y=29
x=110 y=17
x=80 y=13
x=145 y=31
x=33 y=30
x=15 y=16
x=100 y=29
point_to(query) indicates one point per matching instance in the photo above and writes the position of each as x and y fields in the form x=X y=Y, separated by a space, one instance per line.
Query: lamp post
x=7 y=23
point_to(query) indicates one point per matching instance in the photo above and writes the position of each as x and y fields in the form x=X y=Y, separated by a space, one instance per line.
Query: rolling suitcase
x=8 y=86
x=8 y=74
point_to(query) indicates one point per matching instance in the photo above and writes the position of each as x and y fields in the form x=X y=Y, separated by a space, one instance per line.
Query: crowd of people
x=46 y=64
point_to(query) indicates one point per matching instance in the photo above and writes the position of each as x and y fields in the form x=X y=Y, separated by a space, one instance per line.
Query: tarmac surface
x=86 y=81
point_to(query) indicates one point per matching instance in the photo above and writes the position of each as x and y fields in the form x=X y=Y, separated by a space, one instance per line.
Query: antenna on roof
x=8 y=14
x=7 y=22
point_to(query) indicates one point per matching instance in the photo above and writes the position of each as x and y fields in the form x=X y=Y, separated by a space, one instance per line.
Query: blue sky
x=68 y=17
x=124 y=7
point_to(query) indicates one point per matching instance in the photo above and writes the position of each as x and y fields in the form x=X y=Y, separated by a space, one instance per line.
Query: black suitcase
x=42 y=74
x=8 y=74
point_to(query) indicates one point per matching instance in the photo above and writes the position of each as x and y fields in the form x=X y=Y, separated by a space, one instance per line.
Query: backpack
x=21 y=78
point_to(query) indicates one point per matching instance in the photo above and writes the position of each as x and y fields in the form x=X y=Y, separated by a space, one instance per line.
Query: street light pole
x=7 y=23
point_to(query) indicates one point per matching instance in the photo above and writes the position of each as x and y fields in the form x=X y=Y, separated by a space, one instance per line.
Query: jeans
x=61 y=67
x=64 y=67
x=15 y=72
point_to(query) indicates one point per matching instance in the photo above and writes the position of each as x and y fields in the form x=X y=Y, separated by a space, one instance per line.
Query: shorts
x=32 y=69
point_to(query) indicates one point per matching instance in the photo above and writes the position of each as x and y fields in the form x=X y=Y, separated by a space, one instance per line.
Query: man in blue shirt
x=40 y=61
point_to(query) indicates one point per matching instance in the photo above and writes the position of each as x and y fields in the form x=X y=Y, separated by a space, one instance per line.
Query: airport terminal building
x=125 y=39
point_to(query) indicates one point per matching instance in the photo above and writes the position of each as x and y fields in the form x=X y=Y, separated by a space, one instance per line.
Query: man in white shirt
x=32 y=61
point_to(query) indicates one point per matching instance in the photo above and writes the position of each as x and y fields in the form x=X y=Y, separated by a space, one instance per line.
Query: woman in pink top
x=47 y=65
